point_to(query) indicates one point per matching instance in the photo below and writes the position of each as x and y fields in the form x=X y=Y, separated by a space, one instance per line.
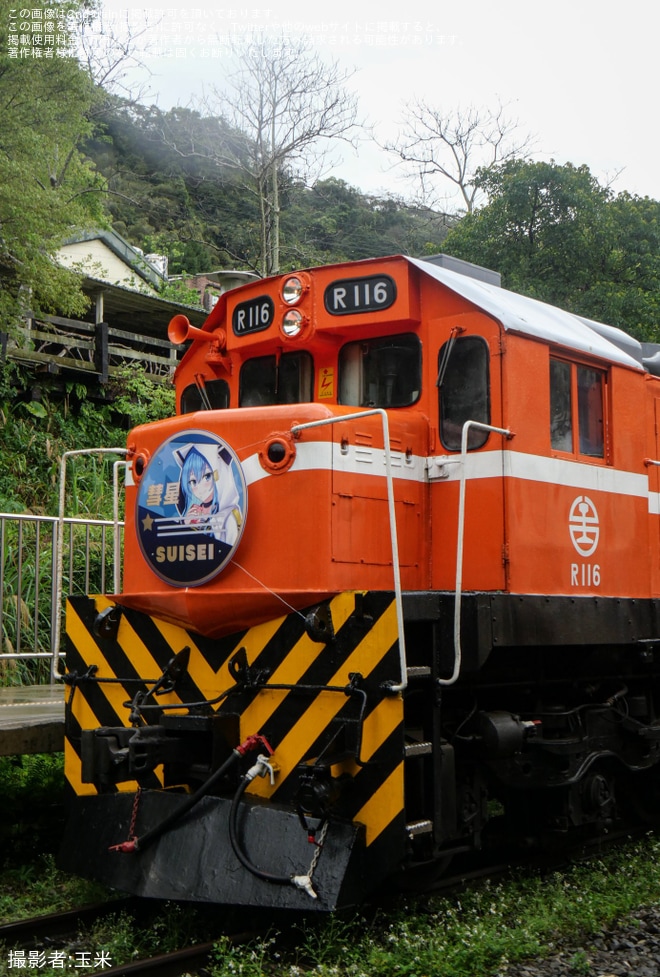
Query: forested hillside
x=552 y=231
x=168 y=193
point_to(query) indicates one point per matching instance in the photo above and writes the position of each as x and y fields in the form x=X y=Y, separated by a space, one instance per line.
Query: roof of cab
x=539 y=320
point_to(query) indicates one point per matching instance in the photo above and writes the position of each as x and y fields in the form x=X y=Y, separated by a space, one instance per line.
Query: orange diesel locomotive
x=390 y=591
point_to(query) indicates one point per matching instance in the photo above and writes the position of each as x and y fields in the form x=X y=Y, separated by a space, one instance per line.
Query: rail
x=458 y=653
x=41 y=558
x=92 y=348
x=396 y=570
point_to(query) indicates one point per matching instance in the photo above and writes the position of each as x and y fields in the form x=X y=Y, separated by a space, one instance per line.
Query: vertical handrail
x=116 y=555
x=458 y=591
x=37 y=587
x=19 y=590
x=378 y=411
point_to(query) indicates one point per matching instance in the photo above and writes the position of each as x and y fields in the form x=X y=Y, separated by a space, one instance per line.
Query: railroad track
x=42 y=934
x=185 y=961
x=63 y=929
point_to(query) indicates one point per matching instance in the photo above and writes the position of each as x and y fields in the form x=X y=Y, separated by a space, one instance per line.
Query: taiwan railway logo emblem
x=191 y=508
x=583 y=525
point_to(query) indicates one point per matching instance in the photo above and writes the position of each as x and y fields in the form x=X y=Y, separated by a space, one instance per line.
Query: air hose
x=260 y=769
x=138 y=844
x=233 y=835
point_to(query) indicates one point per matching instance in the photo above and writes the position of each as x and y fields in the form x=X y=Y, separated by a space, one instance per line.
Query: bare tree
x=113 y=51
x=453 y=146
x=290 y=105
x=109 y=54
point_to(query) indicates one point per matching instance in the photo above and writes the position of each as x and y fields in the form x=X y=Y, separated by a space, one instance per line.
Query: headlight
x=292 y=323
x=292 y=290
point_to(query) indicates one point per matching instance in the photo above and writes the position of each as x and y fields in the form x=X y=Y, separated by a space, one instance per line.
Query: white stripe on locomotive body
x=326 y=456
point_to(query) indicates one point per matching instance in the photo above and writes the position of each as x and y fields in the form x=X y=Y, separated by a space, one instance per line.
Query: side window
x=268 y=380
x=561 y=411
x=464 y=390
x=576 y=408
x=211 y=395
x=590 y=412
x=381 y=372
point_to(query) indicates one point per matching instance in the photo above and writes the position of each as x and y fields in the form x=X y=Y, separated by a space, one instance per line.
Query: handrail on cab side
x=458 y=653
x=400 y=686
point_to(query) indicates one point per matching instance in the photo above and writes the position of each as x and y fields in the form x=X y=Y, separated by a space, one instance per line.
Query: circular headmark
x=191 y=508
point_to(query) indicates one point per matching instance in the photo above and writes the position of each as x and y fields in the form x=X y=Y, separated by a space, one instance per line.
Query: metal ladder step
x=417 y=749
x=415 y=828
x=419 y=671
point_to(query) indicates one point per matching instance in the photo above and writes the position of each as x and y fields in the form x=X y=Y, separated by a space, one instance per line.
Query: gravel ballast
x=630 y=948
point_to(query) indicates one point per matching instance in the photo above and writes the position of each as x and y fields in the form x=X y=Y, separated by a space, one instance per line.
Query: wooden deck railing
x=88 y=347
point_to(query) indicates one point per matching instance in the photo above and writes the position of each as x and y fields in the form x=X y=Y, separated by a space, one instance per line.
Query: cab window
x=381 y=372
x=464 y=390
x=207 y=395
x=577 y=395
x=285 y=379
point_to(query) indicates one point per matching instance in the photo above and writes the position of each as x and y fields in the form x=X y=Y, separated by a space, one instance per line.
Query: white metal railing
x=31 y=595
x=58 y=578
x=458 y=654
x=42 y=558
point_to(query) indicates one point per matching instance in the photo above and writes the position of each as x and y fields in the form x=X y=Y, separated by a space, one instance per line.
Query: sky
x=577 y=75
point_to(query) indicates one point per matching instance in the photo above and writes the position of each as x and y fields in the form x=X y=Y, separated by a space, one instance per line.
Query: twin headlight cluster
x=294 y=321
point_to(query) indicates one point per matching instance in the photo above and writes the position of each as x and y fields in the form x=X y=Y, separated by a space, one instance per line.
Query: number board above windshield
x=253 y=316
x=353 y=295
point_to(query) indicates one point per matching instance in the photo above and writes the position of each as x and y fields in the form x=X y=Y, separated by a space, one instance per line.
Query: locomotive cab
x=389 y=570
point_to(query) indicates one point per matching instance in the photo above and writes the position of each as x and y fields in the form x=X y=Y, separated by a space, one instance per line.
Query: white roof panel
x=538 y=319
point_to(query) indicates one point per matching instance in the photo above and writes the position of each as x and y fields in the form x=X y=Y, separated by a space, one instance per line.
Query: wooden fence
x=99 y=349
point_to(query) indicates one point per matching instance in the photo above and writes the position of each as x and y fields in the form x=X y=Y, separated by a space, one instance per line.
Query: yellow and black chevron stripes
x=300 y=693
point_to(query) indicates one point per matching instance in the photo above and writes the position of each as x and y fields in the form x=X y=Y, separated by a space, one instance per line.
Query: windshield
x=381 y=372
x=266 y=380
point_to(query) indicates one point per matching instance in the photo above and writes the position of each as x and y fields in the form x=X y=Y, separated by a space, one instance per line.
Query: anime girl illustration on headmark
x=208 y=496
x=191 y=508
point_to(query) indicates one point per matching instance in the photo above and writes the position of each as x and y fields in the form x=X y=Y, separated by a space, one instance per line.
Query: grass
x=474 y=933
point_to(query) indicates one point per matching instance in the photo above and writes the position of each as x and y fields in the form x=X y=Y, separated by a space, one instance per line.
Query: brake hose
x=304 y=882
x=233 y=836
x=137 y=844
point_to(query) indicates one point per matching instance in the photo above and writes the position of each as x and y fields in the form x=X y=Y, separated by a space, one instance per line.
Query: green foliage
x=138 y=398
x=35 y=435
x=172 y=194
x=579 y=964
x=334 y=222
x=31 y=788
x=164 y=192
x=254 y=960
x=477 y=931
x=555 y=233
x=47 y=187
x=178 y=291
